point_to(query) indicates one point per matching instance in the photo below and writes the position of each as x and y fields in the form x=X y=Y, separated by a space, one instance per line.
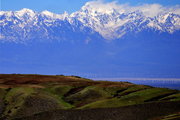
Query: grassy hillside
x=27 y=95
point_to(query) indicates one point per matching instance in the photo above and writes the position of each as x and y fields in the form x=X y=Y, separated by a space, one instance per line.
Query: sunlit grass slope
x=26 y=95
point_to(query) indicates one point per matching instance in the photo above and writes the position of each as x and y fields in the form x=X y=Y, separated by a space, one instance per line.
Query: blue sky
x=59 y=6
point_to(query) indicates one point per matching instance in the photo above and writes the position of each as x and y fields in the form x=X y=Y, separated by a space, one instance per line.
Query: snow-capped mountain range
x=103 y=39
x=109 y=21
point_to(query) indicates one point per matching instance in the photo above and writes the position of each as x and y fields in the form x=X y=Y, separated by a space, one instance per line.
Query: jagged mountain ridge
x=27 y=25
x=113 y=23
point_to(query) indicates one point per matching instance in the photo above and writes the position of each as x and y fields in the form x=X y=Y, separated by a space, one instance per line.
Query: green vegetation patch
x=175 y=116
x=23 y=101
x=174 y=97
x=87 y=95
x=146 y=95
x=41 y=102
x=2 y=93
x=132 y=89
x=15 y=98
x=58 y=96
x=59 y=90
x=113 y=91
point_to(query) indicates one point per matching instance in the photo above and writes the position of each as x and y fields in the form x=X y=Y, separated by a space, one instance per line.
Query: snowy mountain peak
x=7 y=13
x=54 y=16
x=47 y=13
x=98 y=7
x=2 y=12
x=64 y=16
x=25 y=11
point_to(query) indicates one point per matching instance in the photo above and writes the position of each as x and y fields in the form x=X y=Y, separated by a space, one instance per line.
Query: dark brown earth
x=16 y=80
x=134 y=112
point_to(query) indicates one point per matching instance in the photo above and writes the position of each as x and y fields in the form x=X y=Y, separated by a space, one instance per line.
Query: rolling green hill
x=23 y=96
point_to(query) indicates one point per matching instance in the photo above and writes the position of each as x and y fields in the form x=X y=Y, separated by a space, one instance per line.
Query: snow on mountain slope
x=110 y=20
x=24 y=12
x=113 y=21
